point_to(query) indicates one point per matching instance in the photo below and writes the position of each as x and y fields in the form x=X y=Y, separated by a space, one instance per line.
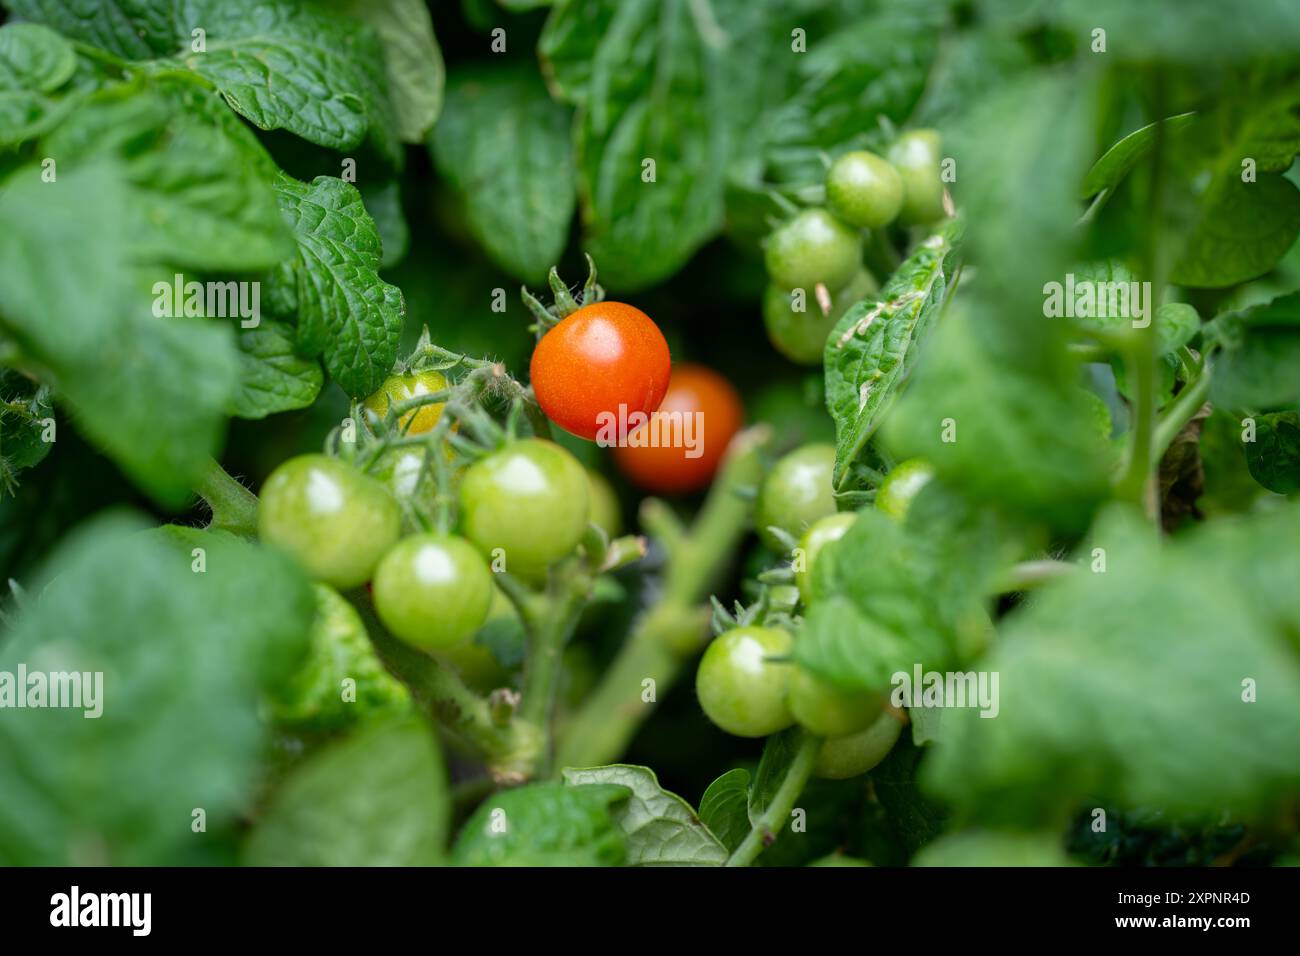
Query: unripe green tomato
x=864 y=190
x=915 y=155
x=433 y=590
x=476 y=660
x=813 y=247
x=821 y=533
x=334 y=520
x=828 y=711
x=902 y=485
x=400 y=388
x=801 y=335
x=739 y=689
x=531 y=499
x=606 y=514
x=796 y=493
x=339 y=650
x=853 y=755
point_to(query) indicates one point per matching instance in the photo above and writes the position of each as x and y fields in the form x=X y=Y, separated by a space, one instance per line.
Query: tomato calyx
x=565 y=304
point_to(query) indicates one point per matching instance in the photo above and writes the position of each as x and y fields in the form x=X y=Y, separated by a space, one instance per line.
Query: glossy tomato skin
x=602 y=356
x=902 y=485
x=531 y=499
x=854 y=754
x=739 y=689
x=813 y=247
x=864 y=190
x=821 y=533
x=801 y=335
x=398 y=388
x=828 y=711
x=796 y=493
x=334 y=520
x=668 y=469
x=916 y=157
x=433 y=590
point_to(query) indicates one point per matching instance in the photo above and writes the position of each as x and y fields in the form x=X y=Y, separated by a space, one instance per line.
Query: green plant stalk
x=675 y=629
x=550 y=623
x=1178 y=414
x=763 y=833
x=511 y=750
x=1136 y=483
x=234 y=507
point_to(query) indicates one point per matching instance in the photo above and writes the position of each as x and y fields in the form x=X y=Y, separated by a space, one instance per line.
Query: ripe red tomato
x=671 y=469
x=604 y=355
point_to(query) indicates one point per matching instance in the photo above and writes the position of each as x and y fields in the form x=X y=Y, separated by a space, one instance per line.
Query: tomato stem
x=234 y=507
x=774 y=818
x=676 y=628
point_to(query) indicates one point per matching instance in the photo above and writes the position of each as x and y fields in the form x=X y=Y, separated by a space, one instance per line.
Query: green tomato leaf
x=995 y=848
x=150 y=392
x=890 y=596
x=202 y=183
x=412 y=60
x=1196 y=32
x=121 y=788
x=340 y=657
x=1119 y=160
x=544 y=824
x=135 y=29
x=1244 y=229
x=874 y=345
x=33 y=57
x=504 y=145
x=778 y=754
x=1260 y=364
x=652 y=81
x=25 y=435
x=272 y=376
x=286 y=66
x=377 y=798
x=1192 y=614
x=263 y=584
x=1274 y=456
x=344 y=309
x=724 y=808
x=660 y=827
x=279 y=63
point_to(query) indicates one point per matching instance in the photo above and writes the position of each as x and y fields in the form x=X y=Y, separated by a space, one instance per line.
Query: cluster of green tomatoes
x=814 y=259
x=747 y=683
x=521 y=507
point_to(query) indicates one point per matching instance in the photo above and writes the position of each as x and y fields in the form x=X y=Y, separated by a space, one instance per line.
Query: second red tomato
x=604 y=355
x=707 y=405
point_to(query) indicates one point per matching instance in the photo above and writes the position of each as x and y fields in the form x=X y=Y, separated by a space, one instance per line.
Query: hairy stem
x=777 y=813
x=675 y=628
x=234 y=507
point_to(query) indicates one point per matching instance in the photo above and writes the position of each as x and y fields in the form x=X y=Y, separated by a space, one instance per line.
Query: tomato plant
x=699 y=433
